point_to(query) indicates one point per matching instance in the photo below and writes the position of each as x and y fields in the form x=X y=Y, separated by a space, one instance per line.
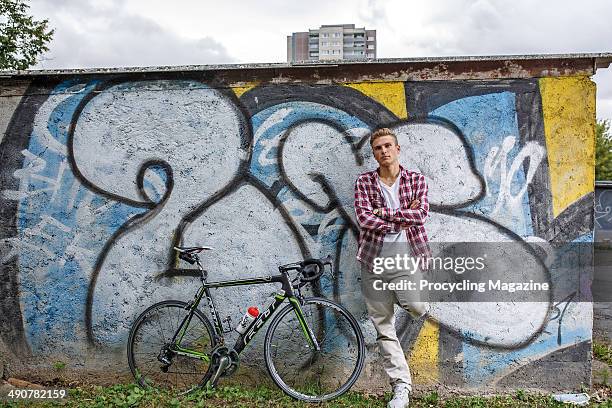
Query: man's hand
x=376 y=212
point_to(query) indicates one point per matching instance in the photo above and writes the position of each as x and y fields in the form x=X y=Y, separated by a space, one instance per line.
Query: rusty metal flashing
x=380 y=70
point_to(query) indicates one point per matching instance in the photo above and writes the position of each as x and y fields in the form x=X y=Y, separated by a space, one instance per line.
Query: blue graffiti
x=58 y=248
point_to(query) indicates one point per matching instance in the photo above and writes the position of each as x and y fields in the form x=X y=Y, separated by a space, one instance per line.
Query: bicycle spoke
x=178 y=320
x=302 y=371
x=155 y=343
x=161 y=328
x=184 y=372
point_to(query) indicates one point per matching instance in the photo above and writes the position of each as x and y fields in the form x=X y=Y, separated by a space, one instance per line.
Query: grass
x=602 y=352
x=130 y=395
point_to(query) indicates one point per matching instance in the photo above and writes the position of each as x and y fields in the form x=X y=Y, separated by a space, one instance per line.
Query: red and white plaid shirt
x=372 y=228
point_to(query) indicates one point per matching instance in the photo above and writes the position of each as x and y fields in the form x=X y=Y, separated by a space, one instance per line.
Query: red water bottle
x=248 y=318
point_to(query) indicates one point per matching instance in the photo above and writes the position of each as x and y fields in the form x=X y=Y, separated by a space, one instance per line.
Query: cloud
x=102 y=34
x=105 y=33
x=487 y=27
x=373 y=13
x=494 y=27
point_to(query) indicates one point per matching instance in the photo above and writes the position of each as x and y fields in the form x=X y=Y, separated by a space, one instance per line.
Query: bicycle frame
x=244 y=339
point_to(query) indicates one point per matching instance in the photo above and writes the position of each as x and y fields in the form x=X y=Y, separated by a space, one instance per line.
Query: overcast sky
x=115 y=33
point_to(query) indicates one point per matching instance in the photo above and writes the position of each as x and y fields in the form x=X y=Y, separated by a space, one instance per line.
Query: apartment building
x=332 y=42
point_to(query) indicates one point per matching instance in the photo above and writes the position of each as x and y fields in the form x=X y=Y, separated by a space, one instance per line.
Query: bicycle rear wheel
x=303 y=372
x=151 y=335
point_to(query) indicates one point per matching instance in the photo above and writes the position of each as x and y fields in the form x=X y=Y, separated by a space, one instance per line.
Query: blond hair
x=382 y=132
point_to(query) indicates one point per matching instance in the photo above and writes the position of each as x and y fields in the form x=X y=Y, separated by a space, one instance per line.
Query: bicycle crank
x=225 y=363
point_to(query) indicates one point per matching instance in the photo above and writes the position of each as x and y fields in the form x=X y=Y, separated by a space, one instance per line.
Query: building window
x=336 y=35
x=370 y=46
x=336 y=52
x=324 y=43
x=370 y=38
x=325 y=52
x=325 y=35
x=336 y=43
x=370 y=55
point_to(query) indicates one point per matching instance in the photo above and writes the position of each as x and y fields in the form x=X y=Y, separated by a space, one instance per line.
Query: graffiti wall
x=100 y=178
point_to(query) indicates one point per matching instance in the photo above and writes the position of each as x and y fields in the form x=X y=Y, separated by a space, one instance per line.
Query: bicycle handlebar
x=187 y=257
x=312 y=269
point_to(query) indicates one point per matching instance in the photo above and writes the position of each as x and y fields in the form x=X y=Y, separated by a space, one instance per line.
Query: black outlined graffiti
x=358 y=149
x=422 y=98
x=561 y=313
x=243 y=133
x=15 y=140
x=134 y=222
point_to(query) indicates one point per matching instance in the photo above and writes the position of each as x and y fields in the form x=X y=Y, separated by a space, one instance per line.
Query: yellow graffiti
x=424 y=356
x=568 y=106
x=239 y=90
x=389 y=94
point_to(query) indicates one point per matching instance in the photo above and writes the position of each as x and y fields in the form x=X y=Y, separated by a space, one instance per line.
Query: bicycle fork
x=310 y=337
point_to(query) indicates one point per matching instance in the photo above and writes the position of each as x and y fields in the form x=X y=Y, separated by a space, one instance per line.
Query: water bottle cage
x=227 y=325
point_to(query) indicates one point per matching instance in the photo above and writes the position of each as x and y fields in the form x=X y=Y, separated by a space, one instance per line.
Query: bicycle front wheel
x=303 y=372
x=151 y=337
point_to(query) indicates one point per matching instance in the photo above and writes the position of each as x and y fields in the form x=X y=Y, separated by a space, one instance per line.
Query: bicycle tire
x=185 y=373
x=330 y=365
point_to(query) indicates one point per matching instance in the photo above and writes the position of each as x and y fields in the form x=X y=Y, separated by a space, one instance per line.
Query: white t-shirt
x=391 y=195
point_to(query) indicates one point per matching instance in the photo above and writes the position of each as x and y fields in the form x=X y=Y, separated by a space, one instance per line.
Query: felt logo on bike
x=258 y=323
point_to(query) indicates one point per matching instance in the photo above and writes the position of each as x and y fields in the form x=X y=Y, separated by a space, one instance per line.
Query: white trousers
x=380 y=306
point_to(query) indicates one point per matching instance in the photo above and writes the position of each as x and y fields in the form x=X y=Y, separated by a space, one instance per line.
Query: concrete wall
x=101 y=175
x=602 y=279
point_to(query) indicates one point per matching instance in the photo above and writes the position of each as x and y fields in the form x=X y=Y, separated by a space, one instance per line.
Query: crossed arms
x=387 y=219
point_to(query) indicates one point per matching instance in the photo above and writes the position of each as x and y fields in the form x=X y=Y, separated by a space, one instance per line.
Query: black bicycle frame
x=258 y=323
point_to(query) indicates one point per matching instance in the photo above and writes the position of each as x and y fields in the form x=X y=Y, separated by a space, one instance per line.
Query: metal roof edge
x=600 y=60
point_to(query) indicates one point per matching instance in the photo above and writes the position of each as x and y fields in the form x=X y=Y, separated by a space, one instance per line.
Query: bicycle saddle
x=192 y=250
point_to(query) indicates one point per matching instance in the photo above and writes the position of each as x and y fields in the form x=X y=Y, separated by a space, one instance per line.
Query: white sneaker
x=400 y=396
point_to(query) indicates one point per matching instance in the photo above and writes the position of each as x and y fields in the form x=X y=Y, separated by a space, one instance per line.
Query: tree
x=603 y=151
x=22 y=39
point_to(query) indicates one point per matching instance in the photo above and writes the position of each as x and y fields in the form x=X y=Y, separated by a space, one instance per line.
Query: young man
x=391 y=207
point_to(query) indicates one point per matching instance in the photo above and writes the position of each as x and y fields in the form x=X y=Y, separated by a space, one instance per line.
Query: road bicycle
x=314 y=348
